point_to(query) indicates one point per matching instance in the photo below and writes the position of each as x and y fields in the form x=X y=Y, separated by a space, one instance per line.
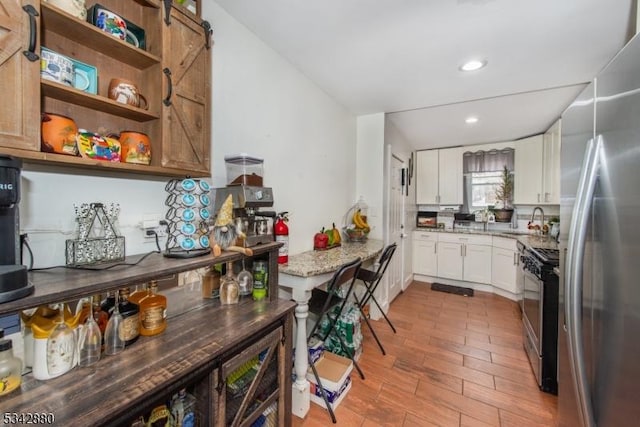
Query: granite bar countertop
x=312 y=263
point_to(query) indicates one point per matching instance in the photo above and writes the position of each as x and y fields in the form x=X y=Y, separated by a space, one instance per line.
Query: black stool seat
x=371 y=280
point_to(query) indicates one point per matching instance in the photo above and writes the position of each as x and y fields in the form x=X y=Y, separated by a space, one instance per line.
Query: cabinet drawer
x=425 y=236
x=472 y=239
x=504 y=243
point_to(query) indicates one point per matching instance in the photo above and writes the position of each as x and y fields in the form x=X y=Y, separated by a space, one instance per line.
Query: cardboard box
x=316 y=349
x=334 y=398
x=333 y=371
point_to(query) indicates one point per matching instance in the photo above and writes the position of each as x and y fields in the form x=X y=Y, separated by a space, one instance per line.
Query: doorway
x=396 y=226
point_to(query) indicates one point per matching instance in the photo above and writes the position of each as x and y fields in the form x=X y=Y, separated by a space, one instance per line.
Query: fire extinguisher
x=281 y=231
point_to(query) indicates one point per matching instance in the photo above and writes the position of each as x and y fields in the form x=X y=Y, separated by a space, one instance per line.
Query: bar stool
x=371 y=280
x=321 y=303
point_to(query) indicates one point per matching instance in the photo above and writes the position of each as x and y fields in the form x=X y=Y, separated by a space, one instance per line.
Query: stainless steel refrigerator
x=599 y=311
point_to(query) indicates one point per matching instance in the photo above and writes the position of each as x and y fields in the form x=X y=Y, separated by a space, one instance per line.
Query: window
x=482 y=176
x=483 y=188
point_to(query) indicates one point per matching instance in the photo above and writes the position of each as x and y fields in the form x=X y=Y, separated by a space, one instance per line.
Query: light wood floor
x=455 y=361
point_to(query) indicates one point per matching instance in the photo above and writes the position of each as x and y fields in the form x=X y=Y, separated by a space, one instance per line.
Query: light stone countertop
x=312 y=263
x=527 y=239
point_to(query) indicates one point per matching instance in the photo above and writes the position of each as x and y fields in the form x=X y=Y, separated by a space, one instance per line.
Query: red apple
x=320 y=240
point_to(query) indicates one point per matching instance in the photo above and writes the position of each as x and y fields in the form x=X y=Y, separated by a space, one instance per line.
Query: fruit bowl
x=356 y=234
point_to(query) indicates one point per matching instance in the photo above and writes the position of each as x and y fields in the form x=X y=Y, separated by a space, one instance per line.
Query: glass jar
x=10 y=368
x=229 y=289
x=211 y=283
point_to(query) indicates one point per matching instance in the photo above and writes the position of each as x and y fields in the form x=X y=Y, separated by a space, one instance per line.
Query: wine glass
x=61 y=347
x=245 y=281
x=89 y=341
x=113 y=342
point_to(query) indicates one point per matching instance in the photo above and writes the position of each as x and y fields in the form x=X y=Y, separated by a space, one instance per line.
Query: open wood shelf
x=121 y=387
x=69 y=284
x=62 y=23
x=53 y=159
x=95 y=102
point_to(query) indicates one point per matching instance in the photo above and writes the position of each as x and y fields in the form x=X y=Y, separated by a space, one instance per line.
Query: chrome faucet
x=533 y=216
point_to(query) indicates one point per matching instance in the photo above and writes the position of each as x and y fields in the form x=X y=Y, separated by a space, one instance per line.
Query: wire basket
x=356 y=234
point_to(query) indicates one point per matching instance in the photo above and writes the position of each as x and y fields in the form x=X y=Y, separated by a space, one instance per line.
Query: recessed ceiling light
x=473 y=65
x=471 y=120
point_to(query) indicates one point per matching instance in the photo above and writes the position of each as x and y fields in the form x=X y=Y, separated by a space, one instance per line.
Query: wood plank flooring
x=454 y=361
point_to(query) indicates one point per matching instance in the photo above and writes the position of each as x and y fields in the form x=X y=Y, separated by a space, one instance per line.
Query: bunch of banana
x=360 y=221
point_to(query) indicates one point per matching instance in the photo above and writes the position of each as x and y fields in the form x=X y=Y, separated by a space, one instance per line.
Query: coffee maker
x=248 y=218
x=13 y=275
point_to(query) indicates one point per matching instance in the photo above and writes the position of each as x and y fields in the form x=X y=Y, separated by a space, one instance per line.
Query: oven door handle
x=573 y=276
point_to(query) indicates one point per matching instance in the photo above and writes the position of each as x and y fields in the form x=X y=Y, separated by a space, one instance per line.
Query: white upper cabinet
x=537 y=169
x=450 y=176
x=528 y=171
x=551 y=165
x=439 y=176
x=427 y=177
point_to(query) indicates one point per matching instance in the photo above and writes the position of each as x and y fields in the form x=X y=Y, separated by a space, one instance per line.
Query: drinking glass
x=113 y=342
x=89 y=341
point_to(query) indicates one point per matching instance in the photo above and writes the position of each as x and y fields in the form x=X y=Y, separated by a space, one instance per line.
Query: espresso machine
x=13 y=275
x=248 y=218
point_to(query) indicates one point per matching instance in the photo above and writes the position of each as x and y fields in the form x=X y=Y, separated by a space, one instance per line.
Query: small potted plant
x=503 y=210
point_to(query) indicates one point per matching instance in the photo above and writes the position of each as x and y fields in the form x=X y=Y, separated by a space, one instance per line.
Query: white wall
x=263 y=106
x=370 y=169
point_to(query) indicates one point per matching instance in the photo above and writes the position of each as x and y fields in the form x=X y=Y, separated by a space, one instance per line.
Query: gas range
x=550 y=257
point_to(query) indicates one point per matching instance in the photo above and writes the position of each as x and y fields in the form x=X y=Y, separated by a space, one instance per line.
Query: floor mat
x=458 y=290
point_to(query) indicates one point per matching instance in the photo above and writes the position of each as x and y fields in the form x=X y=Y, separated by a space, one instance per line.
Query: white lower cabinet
x=477 y=263
x=504 y=264
x=450 y=260
x=425 y=253
x=477 y=258
x=464 y=257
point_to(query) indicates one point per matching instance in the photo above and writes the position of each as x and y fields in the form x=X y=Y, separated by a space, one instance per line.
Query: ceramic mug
x=55 y=67
x=59 y=134
x=111 y=23
x=126 y=92
x=135 y=147
x=81 y=80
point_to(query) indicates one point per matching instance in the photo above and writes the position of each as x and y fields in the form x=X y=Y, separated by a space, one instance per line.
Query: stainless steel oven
x=540 y=314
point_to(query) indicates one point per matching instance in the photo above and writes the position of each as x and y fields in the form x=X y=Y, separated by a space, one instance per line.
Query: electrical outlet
x=152 y=227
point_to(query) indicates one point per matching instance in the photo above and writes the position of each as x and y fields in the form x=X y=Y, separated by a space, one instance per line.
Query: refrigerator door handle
x=573 y=276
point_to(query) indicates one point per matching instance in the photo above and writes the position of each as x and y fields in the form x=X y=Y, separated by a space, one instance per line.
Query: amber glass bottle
x=153 y=312
x=140 y=293
x=130 y=328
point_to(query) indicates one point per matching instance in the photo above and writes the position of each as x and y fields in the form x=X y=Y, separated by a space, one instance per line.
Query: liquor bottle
x=101 y=316
x=139 y=294
x=153 y=312
x=108 y=303
x=130 y=329
x=260 y=279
